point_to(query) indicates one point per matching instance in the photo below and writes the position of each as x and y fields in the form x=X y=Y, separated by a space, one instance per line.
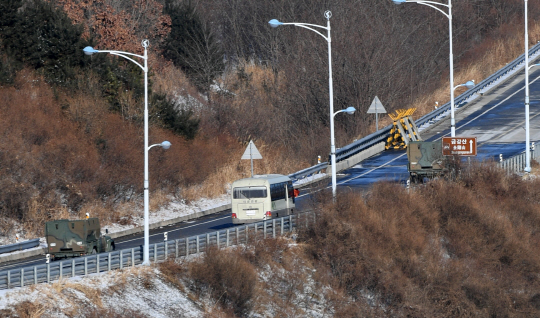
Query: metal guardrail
x=19 y=246
x=105 y=262
x=481 y=87
x=517 y=163
x=441 y=112
x=123 y=258
x=309 y=171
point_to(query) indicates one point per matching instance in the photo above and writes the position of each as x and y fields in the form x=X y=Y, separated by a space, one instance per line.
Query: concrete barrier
x=352 y=161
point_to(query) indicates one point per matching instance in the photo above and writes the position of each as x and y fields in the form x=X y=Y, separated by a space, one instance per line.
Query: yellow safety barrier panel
x=404 y=129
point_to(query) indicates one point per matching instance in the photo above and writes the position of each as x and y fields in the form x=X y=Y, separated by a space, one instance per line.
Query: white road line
x=499 y=104
x=178 y=229
x=461 y=126
x=222 y=218
x=369 y=171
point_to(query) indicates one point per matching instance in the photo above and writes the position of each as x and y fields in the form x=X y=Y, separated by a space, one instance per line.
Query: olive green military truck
x=426 y=160
x=73 y=238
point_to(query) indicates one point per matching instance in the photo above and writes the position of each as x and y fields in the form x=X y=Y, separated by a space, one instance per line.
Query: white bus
x=262 y=197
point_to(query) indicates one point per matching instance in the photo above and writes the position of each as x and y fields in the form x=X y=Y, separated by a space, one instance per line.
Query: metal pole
x=251 y=157
x=527 y=127
x=452 y=120
x=328 y=14
x=146 y=253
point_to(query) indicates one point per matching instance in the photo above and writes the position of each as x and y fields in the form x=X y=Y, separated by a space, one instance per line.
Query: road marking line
x=178 y=229
x=461 y=126
x=497 y=105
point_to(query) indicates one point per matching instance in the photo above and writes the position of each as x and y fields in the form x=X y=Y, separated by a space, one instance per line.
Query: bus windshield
x=249 y=193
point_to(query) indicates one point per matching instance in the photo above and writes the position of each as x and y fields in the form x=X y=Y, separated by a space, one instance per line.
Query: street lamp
x=165 y=145
x=327 y=14
x=145 y=43
x=349 y=110
x=436 y=6
x=469 y=85
x=527 y=127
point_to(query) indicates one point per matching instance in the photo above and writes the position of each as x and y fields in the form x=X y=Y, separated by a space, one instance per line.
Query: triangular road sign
x=376 y=107
x=251 y=152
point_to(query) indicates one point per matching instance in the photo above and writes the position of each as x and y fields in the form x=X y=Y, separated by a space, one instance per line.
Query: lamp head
x=165 y=145
x=469 y=84
x=275 y=23
x=399 y=1
x=90 y=50
x=350 y=110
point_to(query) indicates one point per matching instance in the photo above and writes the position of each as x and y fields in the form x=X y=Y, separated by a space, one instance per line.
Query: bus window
x=250 y=193
x=277 y=191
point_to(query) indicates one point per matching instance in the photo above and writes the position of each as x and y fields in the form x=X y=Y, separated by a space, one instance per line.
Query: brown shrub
x=228 y=278
x=465 y=248
x=28 y=309
x=267 y=252
x=174 y=271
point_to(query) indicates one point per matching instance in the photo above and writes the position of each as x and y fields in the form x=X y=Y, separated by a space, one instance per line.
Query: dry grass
x=467 y=247
x=169 y=79
x=217 y=183
x=230 y=279
x=28 y=309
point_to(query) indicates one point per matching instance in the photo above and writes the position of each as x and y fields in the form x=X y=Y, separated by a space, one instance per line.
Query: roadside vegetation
x=467 y=247
x=72 y=124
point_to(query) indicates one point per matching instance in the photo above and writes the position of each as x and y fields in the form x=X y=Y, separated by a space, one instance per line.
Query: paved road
x=209 y=223
x=496 y=119
x=204 y=224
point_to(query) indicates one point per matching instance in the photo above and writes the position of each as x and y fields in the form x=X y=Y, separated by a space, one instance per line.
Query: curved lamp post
x=527 y=126
x=327 y=14
x=436 y=6
x=469 y=85
x=145 y=43
x=165 y=145
x=349 y=110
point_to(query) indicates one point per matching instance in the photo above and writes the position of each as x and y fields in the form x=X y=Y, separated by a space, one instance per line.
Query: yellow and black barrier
x=404 y=129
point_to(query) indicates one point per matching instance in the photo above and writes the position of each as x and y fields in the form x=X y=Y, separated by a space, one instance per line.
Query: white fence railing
x=104 y=262
x=517 y=163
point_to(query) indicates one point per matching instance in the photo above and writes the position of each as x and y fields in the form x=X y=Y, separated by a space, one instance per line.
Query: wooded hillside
x=219 y=76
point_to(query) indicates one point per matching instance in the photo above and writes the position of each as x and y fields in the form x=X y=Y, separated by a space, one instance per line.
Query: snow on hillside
x=173 y=209
x=138 y=289
x=146 y=292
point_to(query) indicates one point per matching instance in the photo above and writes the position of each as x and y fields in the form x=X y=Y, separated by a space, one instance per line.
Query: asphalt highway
x=209 y=223
x=497 y=120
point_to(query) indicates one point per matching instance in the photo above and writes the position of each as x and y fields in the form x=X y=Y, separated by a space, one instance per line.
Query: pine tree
x=40 y=35
x=179 y=120
x=191 y=46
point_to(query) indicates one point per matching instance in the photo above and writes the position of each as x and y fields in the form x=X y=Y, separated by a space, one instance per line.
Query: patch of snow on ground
x=173 y=210
x=138 y=289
